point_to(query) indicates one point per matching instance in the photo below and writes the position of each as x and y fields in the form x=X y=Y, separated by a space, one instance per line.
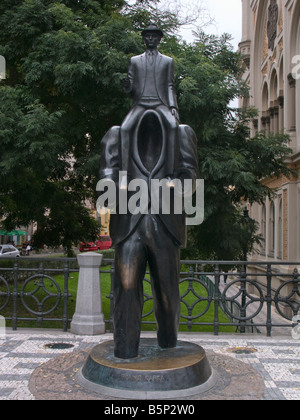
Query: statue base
x=155 y=374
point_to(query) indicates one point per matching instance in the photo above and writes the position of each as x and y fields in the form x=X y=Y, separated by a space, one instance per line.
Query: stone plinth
x=156 y=373
x=88 y=318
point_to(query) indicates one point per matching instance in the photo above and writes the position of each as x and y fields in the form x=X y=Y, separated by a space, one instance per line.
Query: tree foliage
x=231 y=163
x=66 y=60
x=64 y=63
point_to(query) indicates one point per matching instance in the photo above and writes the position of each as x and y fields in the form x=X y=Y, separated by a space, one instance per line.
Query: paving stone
x=24 y=357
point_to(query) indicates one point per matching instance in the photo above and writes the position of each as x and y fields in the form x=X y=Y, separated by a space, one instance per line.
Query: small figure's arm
x=128 y=81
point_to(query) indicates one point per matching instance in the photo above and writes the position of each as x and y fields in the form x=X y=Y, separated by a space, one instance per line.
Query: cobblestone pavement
x=276 y=359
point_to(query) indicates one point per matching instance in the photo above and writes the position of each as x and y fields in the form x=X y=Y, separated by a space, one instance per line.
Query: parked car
x=88 y=247
x=8 y=251
x=104 y=242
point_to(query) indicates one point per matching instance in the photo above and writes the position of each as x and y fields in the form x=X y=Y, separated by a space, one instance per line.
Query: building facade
x=271 y=49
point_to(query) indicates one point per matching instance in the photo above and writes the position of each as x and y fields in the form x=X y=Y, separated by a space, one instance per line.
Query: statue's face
x=152 y=40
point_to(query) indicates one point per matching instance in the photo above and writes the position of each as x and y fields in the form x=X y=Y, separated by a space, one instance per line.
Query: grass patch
x=202 y=311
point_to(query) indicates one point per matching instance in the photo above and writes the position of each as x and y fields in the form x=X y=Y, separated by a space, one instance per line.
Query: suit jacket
x=164 y=79
x=122 y=225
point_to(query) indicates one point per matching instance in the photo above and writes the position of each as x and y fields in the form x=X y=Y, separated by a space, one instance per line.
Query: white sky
x=227 y=15
x=228 y=18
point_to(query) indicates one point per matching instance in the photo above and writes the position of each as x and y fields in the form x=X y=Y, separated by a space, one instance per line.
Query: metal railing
x=248 y=299
x=29 y=286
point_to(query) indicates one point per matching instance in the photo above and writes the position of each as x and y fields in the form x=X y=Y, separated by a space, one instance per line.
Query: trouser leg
x=127 y=131
x=172 y=130
x=130 y=267
x=164 y=263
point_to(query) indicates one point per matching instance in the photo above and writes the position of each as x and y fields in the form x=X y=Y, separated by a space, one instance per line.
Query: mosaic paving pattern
x=276 y=360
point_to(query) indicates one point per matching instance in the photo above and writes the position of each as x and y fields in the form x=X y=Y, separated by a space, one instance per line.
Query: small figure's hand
x=126 y=83
x=170 y=183
x=175 y=114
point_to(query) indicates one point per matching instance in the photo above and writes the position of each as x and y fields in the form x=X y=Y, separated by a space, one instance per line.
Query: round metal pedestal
x=155 y=374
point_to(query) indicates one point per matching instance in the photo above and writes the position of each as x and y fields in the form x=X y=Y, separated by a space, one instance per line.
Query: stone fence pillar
x=88 y=318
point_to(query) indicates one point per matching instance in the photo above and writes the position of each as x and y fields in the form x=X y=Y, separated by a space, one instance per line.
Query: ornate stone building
x=271 y=48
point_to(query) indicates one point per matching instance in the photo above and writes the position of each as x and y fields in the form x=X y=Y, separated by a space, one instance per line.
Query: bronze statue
x=150 y=83
x=150 y=145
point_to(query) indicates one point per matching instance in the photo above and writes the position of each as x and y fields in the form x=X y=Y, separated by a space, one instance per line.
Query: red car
x=104 y=242
x=87 y=247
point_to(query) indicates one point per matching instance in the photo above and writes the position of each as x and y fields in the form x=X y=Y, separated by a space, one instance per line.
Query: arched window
x=265 y=120
x=280 y=230
x=274 y=110
x=292 y=107
x=281 y=98
x=294 y=87
x=263 y=228
x=297 y=89
x=271 y=230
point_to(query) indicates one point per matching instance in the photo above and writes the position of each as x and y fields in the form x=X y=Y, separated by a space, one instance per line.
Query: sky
x=228 y=18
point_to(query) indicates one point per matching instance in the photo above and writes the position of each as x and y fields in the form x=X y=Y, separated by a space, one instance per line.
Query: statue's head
x=152 y=36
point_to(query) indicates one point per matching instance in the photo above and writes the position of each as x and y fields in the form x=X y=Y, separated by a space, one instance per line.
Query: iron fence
x=248 y=298
x=29 y=286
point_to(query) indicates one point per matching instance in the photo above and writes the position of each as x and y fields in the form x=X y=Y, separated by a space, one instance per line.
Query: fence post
x=15 y=296
x=217 y=299
x=88 y=318
x=243 y=313
x=66 y=295
x=269 y=300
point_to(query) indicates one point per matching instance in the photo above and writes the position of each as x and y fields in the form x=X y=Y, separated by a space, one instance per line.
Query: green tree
x=231 y=163
x=66 y=61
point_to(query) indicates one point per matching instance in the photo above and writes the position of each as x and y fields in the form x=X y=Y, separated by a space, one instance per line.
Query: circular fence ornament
x=242 y=299
x=40 y=294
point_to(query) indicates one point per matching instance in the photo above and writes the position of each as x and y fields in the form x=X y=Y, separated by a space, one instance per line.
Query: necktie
x=151 y=58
